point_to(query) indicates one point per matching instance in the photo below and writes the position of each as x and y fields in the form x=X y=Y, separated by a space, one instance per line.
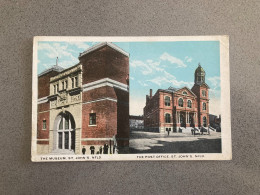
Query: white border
x=225 y=103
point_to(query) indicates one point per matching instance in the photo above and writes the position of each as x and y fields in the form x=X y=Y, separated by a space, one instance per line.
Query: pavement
x=150 y=142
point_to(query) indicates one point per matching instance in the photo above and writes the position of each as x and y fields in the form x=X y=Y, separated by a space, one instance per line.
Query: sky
x=153 y=65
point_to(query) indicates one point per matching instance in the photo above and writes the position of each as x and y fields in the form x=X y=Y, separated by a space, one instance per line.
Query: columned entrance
x=64 y=134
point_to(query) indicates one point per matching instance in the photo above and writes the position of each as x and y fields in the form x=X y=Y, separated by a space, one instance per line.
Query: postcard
x=131 y=98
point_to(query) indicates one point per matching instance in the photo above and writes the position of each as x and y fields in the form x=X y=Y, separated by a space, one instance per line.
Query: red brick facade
x=169 y=109
x=101 y=95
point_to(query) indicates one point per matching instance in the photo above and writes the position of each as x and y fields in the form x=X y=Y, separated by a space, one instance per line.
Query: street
x=150 y=142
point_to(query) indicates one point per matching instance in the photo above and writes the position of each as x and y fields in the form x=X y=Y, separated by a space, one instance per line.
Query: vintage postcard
x=131 y=98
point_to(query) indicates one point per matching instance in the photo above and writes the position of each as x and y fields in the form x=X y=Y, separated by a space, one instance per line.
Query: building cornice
x=43 y=100
x=95 y=47
x=101 y=99
x=104 y=82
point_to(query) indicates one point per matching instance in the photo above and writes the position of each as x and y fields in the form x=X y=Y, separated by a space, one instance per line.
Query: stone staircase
x=62 y=152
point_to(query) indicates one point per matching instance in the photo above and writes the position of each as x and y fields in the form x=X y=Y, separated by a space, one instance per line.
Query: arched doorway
x=204 y=121
x=64 y=133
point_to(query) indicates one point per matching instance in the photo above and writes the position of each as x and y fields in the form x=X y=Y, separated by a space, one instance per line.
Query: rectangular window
x=57 y=87
x=66 y=84
x=44 y=124
x=54 y=89
x=76 y=81
x=92 y=119
x=62 y=85
x=72 y=82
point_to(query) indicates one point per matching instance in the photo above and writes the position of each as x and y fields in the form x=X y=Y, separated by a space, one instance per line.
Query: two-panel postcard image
x=131 y=98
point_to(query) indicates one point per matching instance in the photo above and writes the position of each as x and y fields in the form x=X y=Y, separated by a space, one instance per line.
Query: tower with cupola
x=201 y=89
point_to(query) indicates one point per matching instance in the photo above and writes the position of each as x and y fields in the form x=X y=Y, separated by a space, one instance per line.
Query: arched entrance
x=64 y=134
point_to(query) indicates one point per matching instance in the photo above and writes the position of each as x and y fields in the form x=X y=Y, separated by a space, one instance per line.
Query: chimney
x=151 y=93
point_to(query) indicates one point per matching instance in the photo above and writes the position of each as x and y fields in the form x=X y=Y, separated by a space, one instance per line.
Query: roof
x=199 y=70
x=95 y=47
x=188 y=90
x=53 y=68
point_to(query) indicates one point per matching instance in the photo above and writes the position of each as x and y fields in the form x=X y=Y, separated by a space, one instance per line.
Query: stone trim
x=43 y=100
x=104 y=82
x=101 y=99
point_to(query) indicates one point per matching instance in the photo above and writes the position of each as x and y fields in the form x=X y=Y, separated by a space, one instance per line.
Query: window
x=167 y=118
x=204 y=106
x=66 y=84
x=67 y=122
x=57 y=87
x=76 y=81
x=62 y=84
x=72 y=82
x=92 y=119
x=203 y=93
x=44 y=124
x=184 y=92
x=54 y=89
x=180 y=102
x=167 y=101
x=189 y=104
x=61 y=124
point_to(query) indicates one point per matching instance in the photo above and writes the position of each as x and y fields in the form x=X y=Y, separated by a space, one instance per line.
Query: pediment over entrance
x=185 y=91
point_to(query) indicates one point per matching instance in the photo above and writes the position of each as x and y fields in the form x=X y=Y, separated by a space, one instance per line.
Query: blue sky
x=153 y=65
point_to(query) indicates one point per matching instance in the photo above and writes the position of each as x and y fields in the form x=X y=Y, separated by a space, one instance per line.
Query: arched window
x=167 y=118
x=204 y=121
x=66 y=132
x=204 y=106
x=167 y=101
x=180 y=102
x=189 y=104
x=203 y=93
x=184 y=92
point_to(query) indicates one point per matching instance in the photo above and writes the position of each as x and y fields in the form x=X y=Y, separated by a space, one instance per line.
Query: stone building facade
x=169 y=109
x=86 y=104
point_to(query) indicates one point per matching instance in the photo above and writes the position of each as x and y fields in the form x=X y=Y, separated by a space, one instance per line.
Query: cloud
x=169 y=78
x=146 y=67
x=188 y=59
x=215 y=81
x=80 y=45
x=142 y=83
x=173 y=60
x=60 y=50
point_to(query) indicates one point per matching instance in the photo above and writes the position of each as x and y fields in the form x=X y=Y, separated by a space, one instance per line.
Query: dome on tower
x=199 y=70
x=199 y=76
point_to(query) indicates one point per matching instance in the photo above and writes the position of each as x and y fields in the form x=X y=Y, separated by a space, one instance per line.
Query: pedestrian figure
x=83 y=150
x=100 y=150
x=106 y=149
x=168 y=132
x=92 y=149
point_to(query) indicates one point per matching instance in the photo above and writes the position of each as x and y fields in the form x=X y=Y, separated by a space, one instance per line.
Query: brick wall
x=105 y=62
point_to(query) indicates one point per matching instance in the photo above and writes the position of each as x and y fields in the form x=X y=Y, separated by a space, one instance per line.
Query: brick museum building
x=85 y=105
x=171 y=109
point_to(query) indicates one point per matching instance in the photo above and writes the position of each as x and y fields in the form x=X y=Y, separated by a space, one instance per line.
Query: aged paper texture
x=131 y=98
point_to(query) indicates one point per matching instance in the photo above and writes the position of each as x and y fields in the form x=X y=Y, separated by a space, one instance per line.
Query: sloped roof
x=53 y=68
x=95 y=47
